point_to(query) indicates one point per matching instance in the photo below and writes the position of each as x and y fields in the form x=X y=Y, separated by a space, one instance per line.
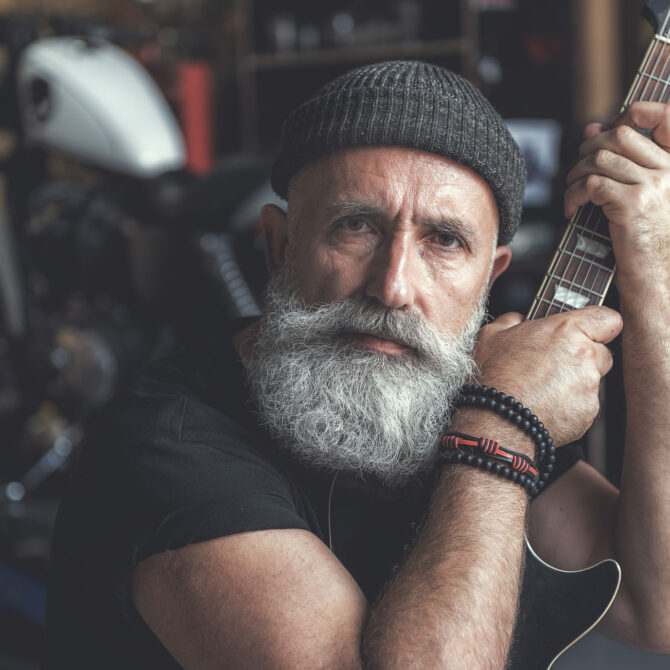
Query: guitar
x=557 y=607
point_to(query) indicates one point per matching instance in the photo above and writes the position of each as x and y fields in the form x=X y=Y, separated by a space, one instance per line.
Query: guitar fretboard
x=583 y=267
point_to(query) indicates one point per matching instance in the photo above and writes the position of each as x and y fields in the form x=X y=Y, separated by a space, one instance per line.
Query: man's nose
x=391 y=274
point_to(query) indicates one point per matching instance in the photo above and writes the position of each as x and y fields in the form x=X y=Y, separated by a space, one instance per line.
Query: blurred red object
x=195 y=112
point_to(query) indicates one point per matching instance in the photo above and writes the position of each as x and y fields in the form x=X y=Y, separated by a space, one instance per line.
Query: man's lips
x=381 y=343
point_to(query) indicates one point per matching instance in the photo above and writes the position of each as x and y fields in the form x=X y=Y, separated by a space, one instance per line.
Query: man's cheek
x=330 y=278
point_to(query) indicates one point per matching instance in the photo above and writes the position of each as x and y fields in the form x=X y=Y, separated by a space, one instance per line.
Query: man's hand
x=552 y=365
x=628 y=175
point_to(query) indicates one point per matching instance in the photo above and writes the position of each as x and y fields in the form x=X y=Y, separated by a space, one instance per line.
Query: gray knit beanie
x=411 y=104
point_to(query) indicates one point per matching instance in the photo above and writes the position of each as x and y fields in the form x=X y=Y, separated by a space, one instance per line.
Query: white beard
x=342 y=407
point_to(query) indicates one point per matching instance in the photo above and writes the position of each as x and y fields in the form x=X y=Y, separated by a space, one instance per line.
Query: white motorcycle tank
x=96 y=103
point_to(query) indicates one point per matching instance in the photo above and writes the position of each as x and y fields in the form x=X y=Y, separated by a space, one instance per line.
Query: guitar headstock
x=657 y=12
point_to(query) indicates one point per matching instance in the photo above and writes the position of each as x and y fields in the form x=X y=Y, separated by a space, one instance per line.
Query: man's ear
x=274 y=229
x=501 y=260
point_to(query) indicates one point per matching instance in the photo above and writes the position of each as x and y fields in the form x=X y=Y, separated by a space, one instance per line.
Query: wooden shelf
x=372 y=52
x=460 y=43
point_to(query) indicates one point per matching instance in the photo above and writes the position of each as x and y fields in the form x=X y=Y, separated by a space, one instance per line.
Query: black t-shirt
x=181 y=459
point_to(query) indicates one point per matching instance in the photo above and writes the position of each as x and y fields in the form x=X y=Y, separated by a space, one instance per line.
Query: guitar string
x=663 y=95
x=560 y=277
x=658 y=51
x=665 y=77
x=576 y=270
x=591 y=211
x=664 y=27
x=554 y=278
x=553 y=302
x=659 y=77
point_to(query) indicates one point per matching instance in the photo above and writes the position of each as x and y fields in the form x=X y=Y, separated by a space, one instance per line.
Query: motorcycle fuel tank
x=95 y=102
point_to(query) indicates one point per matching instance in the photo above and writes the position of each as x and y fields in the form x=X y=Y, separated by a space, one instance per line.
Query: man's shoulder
x=183 y=430
x=171 y=463
x=187 y=396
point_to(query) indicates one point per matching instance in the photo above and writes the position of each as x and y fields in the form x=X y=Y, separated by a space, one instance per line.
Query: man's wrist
x=656 y=294
x=479 y=422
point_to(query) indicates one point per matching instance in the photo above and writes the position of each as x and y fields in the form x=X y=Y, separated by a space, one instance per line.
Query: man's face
x=405 y=227
x=370 y=320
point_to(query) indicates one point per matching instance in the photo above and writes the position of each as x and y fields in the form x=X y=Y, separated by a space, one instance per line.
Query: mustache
x=327 y=323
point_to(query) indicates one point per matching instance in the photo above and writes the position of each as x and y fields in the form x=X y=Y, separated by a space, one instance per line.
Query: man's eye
x=355 y=225
x=448 y=241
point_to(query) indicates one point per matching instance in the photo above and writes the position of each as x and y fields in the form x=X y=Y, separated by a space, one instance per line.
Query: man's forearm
x=642 y=528
x=454 y=602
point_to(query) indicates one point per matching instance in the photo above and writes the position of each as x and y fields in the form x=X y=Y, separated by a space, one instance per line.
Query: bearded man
x=280 y=503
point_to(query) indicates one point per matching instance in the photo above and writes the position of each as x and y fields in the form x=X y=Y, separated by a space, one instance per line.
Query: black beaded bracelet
x=476 y=395
x=455 y=456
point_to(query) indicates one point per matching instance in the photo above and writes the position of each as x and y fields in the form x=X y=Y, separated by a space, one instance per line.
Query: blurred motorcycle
x=111 y=252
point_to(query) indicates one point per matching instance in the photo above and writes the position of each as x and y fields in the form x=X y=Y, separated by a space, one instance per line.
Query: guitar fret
x=580 y=257
x=651 y=76
x=573 y=285
x=558 y=304
x=662 y=38
x=591 y=217
x=592 y=232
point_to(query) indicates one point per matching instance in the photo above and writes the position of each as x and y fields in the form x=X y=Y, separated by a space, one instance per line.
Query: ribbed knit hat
x=410 y=104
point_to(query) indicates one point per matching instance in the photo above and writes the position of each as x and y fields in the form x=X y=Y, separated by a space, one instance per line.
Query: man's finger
x=604 y=359
x=593 y=129
x=608 y=164
x=507 y=320
x=600 y=324
x=650 y=116
x=595 y=188
x=626 y=141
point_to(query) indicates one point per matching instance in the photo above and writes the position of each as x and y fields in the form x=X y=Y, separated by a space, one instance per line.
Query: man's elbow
x=655 y=636
x=649 y=632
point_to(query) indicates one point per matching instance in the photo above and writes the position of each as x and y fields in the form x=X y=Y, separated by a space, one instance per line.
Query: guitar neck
x=583 y=266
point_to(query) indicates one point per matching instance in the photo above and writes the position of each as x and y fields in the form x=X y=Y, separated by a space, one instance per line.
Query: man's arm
x=264 y=599
x=454 y=602
x=280 y=599
x=629 y=177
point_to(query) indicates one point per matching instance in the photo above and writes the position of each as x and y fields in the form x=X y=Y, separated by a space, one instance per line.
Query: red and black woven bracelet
x=489 y=455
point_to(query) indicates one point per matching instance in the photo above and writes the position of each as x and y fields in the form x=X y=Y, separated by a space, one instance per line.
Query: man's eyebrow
x=356 y=208
x=452 y=226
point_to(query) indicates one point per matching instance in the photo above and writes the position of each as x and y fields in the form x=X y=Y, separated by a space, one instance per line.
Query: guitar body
x=557 y=608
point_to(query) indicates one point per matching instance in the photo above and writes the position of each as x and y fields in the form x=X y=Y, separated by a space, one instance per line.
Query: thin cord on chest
x=330 y=503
